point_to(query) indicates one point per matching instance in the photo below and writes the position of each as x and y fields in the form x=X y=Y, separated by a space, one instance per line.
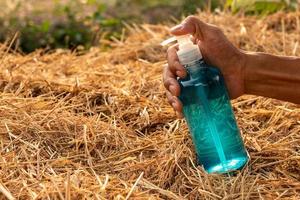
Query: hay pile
x=98 y=126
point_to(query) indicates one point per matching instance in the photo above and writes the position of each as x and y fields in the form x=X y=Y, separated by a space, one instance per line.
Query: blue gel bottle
x=208 y=113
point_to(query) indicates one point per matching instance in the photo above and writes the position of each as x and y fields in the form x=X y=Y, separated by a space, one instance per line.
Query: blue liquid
x=210 y=119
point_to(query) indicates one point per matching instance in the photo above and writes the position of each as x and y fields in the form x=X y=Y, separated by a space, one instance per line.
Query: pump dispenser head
x=188 y=52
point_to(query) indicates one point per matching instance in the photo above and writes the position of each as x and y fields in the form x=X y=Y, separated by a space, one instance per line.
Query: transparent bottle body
x=208 y=113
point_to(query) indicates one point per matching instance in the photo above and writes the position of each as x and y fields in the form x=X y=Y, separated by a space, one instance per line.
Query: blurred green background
x=80 y=24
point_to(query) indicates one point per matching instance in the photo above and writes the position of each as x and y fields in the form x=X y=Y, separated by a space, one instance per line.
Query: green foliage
x=70 y=28
x=260 y=6
x=70 y=24
x=185 y=6
x=67 y=34
x=190 y=6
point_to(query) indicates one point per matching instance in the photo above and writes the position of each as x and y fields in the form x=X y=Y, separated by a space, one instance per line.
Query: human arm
x=244 y=72
x=272 y=76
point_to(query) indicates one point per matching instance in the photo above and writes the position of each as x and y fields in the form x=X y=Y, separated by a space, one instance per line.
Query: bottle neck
x=195 y=67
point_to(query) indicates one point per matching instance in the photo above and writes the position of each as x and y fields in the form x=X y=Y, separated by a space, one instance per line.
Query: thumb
x=191 y=25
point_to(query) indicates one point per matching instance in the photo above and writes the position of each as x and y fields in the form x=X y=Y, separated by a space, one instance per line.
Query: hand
x=216 y=50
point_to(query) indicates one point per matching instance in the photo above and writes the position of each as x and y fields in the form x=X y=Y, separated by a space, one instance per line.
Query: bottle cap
x=188 y=52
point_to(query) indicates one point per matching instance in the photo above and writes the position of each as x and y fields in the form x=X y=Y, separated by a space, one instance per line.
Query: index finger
x=191 y=25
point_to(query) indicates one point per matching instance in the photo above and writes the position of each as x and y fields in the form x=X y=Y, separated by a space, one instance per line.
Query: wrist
x=244 y=66
x=247 y=62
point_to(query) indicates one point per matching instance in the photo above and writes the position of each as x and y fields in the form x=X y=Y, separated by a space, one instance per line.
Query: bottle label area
x=208 y=112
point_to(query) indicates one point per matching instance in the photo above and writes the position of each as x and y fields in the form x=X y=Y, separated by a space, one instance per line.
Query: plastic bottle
x=208 y=112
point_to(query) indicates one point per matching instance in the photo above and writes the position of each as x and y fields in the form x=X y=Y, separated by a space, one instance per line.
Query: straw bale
x=97 y=125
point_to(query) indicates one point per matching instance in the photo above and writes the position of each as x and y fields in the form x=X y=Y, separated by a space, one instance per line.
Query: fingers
x=173 y=90
x=175 y=103
x=175 y=67
x=170 y=82
x=171 y=71
x=191 y=25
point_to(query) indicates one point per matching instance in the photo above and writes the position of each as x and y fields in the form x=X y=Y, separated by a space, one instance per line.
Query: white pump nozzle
x=183 y=39
x=188 y=52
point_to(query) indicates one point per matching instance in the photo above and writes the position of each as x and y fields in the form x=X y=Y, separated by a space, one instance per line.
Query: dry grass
x=98 y=126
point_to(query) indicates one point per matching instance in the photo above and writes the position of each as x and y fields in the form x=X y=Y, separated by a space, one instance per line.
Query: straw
x=86 y=125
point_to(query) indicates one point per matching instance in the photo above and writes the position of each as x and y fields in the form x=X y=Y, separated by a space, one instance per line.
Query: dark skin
x=244 y=72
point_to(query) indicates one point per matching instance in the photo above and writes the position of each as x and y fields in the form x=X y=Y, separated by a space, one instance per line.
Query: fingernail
x=173 y=105
x=178 y=114
x=180 y=73
x=177 y=27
